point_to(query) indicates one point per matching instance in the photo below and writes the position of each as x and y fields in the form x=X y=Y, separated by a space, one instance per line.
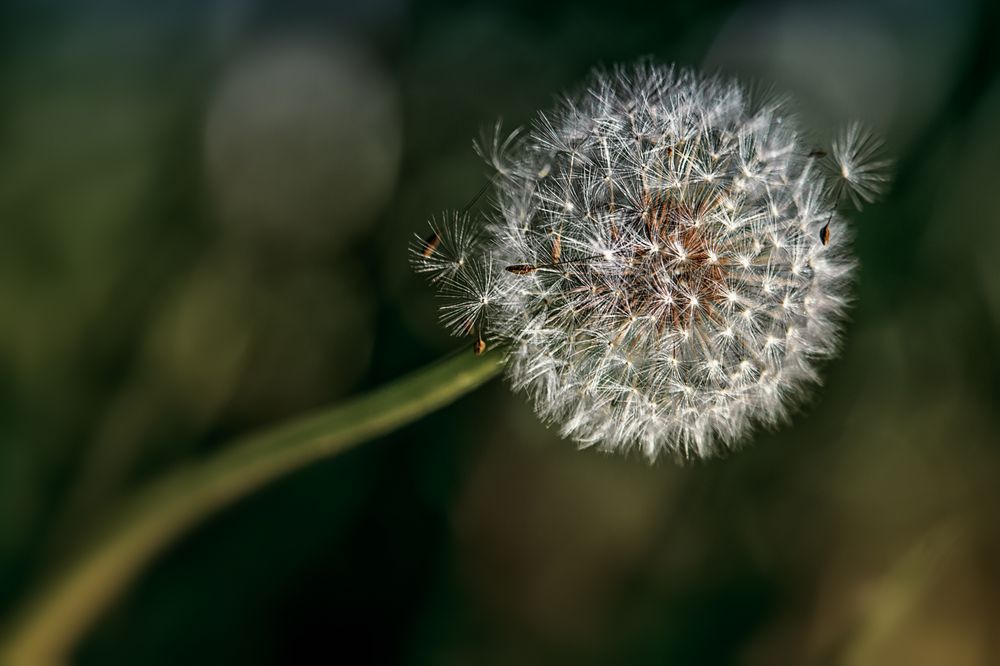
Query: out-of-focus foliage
x=204 y=213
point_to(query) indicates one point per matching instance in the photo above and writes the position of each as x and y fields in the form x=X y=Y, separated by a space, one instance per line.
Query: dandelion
x=666 y=262
x=665 y=266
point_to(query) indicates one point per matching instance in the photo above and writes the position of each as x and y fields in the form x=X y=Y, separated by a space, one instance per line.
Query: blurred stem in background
x=60 y=612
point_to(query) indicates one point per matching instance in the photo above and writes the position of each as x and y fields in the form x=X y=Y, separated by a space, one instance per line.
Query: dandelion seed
x=664 y=267
x=862 y=175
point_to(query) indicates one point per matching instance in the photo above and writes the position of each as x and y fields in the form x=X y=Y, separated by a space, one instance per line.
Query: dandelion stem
x=52 y=622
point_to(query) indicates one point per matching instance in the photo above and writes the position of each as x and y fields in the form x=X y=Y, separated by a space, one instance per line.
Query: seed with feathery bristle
x=667 y=262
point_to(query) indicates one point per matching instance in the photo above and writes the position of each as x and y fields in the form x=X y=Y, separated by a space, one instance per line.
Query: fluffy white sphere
x=666 y=262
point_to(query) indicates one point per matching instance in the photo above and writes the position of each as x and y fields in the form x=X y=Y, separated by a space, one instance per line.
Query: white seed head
x=666 y=262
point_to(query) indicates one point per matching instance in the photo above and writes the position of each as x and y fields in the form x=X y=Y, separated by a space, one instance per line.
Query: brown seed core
x=685 y=269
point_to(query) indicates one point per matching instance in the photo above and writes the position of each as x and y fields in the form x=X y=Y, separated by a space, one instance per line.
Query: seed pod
x=686 y=295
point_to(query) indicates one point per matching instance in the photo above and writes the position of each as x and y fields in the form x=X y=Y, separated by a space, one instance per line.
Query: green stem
x=54 y=620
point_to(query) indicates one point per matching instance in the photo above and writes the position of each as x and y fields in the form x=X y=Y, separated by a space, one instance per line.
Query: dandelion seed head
x=655 y=266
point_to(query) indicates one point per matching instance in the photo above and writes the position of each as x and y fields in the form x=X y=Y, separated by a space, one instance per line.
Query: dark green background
x=204 y=214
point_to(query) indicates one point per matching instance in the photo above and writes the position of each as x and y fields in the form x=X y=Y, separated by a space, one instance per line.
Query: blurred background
x=204 y=214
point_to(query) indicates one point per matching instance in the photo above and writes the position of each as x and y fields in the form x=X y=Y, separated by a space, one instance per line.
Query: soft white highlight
x=666 y=263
